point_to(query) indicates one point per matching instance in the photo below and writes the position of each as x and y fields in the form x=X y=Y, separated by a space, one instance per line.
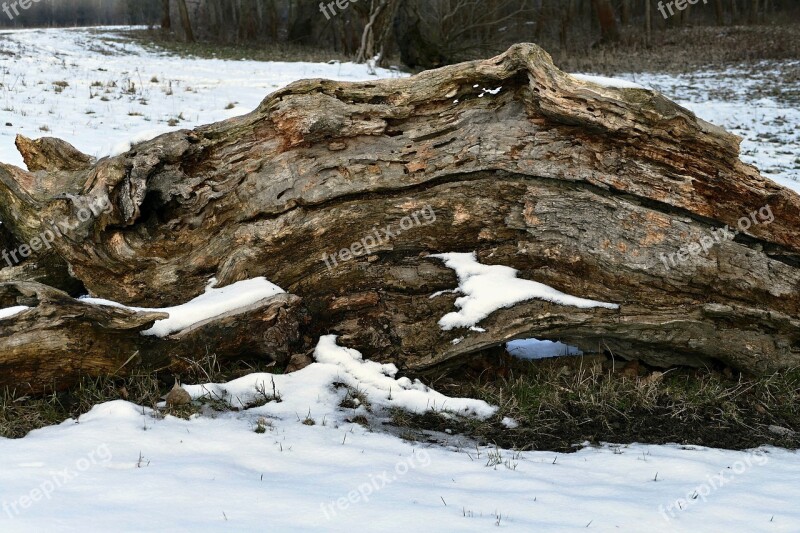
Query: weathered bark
x=45 y=268
x=49 y=346
x=582 y=187
x=51 y=154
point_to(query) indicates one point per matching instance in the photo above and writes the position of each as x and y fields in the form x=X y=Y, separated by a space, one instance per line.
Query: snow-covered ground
x=117 y=91
x=304 y=463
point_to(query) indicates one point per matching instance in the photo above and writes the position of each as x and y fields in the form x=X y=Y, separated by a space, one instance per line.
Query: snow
x=120 y=468
x=143 y=89
x=214 y=302
x=540 y=349
x=337 y=364
x=608 y=82
x=487 y=288
x=12 y=311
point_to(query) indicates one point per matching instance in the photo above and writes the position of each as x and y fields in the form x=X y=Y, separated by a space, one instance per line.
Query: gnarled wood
x=580 y=186
x=59 y=339
x=51 y=154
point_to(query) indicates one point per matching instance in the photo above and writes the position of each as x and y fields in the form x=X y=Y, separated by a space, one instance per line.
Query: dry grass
x=556 y=403
x=560 y=403
x=683 y=50
x=155 y=39
x=20 y=415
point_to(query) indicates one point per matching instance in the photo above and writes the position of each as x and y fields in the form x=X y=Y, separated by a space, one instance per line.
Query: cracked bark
x=59 y=339
x=579 y=186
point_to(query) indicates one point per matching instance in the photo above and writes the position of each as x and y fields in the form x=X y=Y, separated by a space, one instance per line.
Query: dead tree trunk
x=186 y=22
x=166 y=20
x=376 y=31
x=609 y=30
x=719 y=12
x=600 y=192
x=57 y=339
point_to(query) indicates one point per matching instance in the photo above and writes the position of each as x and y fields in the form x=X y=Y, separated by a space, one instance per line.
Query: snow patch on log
x=8 y=312
x=211 y=304
x=487 y=288
x=609 y=82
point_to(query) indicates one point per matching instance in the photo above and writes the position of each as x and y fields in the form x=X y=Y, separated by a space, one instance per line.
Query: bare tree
x=626 y=12
x=609 y=30
x=376 y=32
x=566 y=21
x=166 y=21
x=186 y=22
x=719 y=12
x=451 y=30
x=754 y=12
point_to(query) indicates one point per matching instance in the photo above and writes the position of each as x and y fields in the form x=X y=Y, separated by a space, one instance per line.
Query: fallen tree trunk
x=596 y=191
x=53 y=339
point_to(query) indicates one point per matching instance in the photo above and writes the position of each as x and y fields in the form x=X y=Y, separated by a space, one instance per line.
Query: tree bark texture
x=587 y=188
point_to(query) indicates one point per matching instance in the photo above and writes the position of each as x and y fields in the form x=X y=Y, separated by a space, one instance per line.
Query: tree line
x=425 y=33
x=65 y=13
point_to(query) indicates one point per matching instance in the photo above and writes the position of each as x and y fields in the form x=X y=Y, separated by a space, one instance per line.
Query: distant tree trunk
x=754 y=12
x=648 y=22
x=720 y=12
x=417 y=50
x=684 y=17
x=301 y=22
x=186 y=23
x=369 y=46
x=541 y=20
x=609 y=31
x=166 y=21
x=566 y=22
x=273 y=21
x=626 y=12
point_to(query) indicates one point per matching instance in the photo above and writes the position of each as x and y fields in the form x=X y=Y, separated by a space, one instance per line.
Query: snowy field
x=288 y=456
x=98 y=93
